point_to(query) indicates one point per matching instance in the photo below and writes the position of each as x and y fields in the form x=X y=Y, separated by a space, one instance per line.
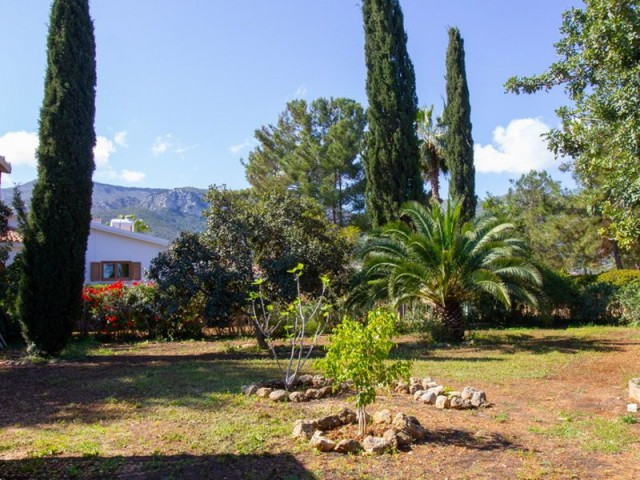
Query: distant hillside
x=167 y=211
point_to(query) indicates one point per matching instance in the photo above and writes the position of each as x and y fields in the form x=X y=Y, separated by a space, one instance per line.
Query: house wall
x=105 y=246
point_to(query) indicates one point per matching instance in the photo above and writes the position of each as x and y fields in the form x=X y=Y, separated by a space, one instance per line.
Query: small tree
x=359 y=352
x=296 y=319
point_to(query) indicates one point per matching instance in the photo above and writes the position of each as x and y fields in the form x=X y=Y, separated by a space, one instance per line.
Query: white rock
x=383 y=416
x=303 y=429
x=429 y=397
x=418 y=393
x=632 y=408
x=376 y=445
x=279 y=396
x=322 y=443
x=443 y=401
x=264 y=392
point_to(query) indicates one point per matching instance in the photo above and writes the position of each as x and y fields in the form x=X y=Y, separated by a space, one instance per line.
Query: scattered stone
x=425 y=382
x=375 y=445
x=347 y=416
x=305 y=380
x=264 y=392
x=348 y=446
x=467 y=393
x=312 y=394
x=634 y=389
x=297 y=397
x=438 y=390
x=318 y=381
x=429 y=397
x=401 y=387
x=454 y=394
x=322 y=443
x=457 y=402
x=410 y=425
x=466 y=404
x=632 y=408
x=325 y=391
x=418 y=393
x=432 y=385
x=391 y=437
x=414 y=387
x=478 y=398
x=403 y=439
x=250 y=389
x=328 y=423
x=383 y=416
x=443 y=401
x=304 y=429
x=279 y=395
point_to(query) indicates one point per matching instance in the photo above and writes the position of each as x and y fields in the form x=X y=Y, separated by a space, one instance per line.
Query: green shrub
x=619 y=278
x=626 y=304
x=358 y=352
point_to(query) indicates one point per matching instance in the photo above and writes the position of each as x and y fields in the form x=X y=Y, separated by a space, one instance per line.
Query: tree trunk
x=616 y=254
x=453 y=321
x=262 y=342
x=434 y=180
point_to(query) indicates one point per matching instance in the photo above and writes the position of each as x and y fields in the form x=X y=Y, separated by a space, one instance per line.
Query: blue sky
x=183 y=84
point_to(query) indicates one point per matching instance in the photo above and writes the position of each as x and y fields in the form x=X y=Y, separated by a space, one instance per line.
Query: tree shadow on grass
x=509 y=343
x=460 y=438
x=188 y=467
x=102 y=388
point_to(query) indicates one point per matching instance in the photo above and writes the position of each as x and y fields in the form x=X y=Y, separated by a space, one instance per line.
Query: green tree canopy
x=556 y=223
x=315 y=149
x=392 y=160
x=456 y=118
x=599 y=68
x=55 y=240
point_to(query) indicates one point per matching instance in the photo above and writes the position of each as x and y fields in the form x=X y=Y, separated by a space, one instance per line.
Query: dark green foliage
x=197 y=286
x=392 y=160
x=456 y=118
x=597 y=67
x=315 y=149
x=558 y=226
x=626 y=304
x=5 y=212
x=437 y=259
x=272 y=232
x=55 y=240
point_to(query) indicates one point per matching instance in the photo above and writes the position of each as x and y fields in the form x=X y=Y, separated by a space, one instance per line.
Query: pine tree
x=458 y=141
x=391 y=159
x=55 y=240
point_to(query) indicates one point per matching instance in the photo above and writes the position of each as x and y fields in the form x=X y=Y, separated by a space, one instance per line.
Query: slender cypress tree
x=55 y=240
x=458 y=150
x=391 y=159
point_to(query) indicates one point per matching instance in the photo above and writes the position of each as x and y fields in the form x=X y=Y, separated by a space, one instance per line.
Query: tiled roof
x=11 y=236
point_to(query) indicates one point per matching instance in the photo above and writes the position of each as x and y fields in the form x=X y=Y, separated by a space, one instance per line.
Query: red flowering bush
x=119 y=309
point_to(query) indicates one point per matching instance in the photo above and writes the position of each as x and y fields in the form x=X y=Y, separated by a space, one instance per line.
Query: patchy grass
x=594 y=434
x=174 y=410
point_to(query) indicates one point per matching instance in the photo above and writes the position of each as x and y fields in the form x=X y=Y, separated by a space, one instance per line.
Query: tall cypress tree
x=391 y=158
x=55 y=240
x=458 y=150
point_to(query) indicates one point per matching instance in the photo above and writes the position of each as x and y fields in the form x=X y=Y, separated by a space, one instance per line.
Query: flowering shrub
x=120 y=309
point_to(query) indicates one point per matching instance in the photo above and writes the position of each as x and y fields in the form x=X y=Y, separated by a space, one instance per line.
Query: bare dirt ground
x=559 y=413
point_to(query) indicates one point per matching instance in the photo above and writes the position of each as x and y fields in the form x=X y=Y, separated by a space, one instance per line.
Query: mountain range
x=167 y=211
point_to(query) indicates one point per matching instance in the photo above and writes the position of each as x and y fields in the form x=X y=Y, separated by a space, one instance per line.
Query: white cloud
x=241 y=146
x=161 y=144
x=19 y=148
x=518 y=148
x=102 y=151
x=120 y=138
x=131 y=176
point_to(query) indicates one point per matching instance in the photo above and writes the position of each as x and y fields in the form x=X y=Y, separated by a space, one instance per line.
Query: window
x=111 y=271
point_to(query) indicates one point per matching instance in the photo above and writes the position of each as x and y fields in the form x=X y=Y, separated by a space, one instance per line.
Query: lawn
x=174 y=410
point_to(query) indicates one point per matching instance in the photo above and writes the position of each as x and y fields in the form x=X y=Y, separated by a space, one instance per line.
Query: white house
x=113 y=253
x=118 y=253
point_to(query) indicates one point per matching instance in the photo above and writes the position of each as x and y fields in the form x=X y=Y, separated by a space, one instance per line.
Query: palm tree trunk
x=434 y=180
x=453 y=321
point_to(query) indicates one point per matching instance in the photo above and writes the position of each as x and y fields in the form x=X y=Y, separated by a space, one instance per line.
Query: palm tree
x=431 y=137
x=437 y=259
